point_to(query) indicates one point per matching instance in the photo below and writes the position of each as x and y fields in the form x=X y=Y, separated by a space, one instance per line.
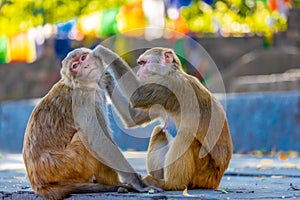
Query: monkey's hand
x=113 y=61
x=141 y=186
x=105 y=54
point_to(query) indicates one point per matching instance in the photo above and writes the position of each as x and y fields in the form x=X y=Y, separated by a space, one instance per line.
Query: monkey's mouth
x=92 y=70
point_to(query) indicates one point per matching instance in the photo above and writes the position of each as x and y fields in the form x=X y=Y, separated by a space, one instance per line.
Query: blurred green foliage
x=296 y=3
x=229 y=17
x=234 y=18
x=20 y=15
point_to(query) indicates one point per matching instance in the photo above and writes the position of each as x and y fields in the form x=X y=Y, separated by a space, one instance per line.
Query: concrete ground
x=248 y=177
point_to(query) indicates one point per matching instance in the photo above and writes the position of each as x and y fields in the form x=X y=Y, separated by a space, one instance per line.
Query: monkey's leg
x=72 y=170
x=158 y=147
x=210 y=166
x=207 y=174
x=151 y=180
x=180 y=164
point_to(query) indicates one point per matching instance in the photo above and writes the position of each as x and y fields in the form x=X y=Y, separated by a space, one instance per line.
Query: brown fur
x=64 y=150
x=57 y=162
x=201 y=151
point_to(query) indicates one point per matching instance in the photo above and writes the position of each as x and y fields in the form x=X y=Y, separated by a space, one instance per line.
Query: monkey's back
x=50 y=127
x=51 y=124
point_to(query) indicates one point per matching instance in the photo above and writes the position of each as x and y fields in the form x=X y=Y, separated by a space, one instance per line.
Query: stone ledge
x=258 y=121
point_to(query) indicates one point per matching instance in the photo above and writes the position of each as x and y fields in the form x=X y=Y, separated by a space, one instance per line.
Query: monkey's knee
x=158 y=137
x=158 y=132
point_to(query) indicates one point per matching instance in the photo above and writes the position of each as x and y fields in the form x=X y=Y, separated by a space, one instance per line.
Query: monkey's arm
x=90 y=120
x=151 y=94
x=120 y=82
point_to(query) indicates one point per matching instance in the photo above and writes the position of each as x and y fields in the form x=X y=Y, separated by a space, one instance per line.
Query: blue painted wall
x=13 y=119
x=262 y=121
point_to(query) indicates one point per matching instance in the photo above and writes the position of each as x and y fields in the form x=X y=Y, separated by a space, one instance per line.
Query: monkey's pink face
x=150 y=65
x=154 y=65
x=78 y=62
x=83 y=66
x=144 y=64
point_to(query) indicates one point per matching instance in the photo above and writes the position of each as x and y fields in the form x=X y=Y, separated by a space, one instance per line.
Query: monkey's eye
x=83 y=57
x=74 y=65
x=141 y=62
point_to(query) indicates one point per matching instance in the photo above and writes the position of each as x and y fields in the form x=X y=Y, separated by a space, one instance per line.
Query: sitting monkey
x=202 y=148
x=67 y=143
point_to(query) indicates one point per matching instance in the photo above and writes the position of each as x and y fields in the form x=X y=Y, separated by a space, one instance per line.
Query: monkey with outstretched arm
x=67 y=144
x=120 y=82
x=200 y=152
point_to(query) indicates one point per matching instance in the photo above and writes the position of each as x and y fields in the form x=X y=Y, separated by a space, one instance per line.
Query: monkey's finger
x=124 y=187
x=122 y=190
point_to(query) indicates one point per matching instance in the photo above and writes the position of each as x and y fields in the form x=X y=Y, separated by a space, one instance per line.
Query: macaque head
x=158 y=61
x=80 y=67
x=159 y=71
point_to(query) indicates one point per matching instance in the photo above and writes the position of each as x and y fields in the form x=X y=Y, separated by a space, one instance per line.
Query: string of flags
x=148 y=19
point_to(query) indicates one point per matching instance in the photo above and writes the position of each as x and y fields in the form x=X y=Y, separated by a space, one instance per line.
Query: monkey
x=201 y=150
x=67 y=143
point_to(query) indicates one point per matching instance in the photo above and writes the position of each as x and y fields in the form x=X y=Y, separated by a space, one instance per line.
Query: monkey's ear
x=168 y=57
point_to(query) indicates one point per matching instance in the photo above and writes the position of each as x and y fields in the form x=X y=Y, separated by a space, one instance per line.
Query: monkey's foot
x=152 y=181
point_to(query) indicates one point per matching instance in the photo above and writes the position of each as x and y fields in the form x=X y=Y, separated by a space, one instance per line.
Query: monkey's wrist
x=132 y=177
x=135 y=180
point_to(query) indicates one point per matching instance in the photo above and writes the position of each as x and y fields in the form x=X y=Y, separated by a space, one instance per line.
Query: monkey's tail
x=60 y=191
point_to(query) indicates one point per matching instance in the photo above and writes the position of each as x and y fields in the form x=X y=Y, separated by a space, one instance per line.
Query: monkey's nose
x=141 y=62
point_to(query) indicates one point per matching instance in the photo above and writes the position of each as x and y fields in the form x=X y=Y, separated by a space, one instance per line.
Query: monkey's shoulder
x=58 y=101
x=203 y=94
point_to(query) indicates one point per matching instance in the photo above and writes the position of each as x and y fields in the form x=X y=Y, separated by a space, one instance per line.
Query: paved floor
x=248 y=177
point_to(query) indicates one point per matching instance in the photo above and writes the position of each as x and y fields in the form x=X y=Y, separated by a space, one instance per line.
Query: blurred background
x=255 y=45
